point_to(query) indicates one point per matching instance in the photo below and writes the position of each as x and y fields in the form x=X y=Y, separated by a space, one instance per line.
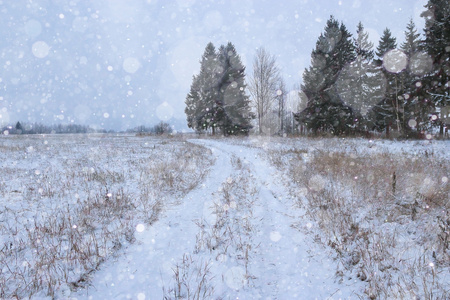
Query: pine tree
x=234 y=112
x=386 y=111
x=387 y=42
x=208 y=78
x=415 y=107
x=363 y=47
x=437 y=44
x=193 y=105
x=360 y=84
x=325 y=111
x=412 y=39
x=217 y=97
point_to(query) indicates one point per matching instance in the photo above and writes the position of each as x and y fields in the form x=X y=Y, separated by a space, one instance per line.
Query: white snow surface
x=284 y=261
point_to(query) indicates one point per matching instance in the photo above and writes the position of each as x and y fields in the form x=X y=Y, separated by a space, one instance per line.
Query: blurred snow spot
x=235 y=278
x=444 y=179
x=63 y=291
x=395 y=61
x=318 y=20
x=140 y=227
x=83 y=60
x=420 y=63
x=80 y=24
x=141 y=296
x=82 y=113
x=418 y=84
x=33 y=28
x=185 y=3
x=131 y=65
x=106 y=115
x=110 y=68
x=4 y=117
x=40 y=49
x=316 y=183
x=164 y=111
x=61 y=16
x=412 y=123
x=213 y=20
x=275 y=236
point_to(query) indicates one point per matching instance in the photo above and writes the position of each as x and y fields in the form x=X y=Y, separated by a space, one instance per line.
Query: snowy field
x=124 y=217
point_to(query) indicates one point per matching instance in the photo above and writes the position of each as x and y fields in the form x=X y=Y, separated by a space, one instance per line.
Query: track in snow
x=283 y=262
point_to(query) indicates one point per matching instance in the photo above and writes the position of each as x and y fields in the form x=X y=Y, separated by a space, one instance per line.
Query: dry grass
x=72 y=202
x=387 y=216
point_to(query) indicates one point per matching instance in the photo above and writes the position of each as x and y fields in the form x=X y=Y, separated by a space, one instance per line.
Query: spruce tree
x=414 y=103
x=217 y=98
x=325 y=110
x=208 y=78
x=360 y=84
x=437 y=44
x=387 y=42
x=412 y=39
x=385 y=113
x=363 y=47
x=234 y=112
x=193 y=105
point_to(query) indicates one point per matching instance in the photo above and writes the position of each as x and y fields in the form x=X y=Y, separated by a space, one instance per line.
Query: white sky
x=122 y=63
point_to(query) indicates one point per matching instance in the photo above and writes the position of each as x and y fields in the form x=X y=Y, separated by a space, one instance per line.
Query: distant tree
x=263 y=84
x=19 y=128
x=162 y=128
x=325 y=110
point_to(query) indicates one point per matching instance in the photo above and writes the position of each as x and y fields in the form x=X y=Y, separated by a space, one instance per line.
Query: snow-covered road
x=280 y=261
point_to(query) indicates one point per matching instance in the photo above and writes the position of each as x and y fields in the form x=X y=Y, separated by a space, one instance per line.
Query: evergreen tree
x=193 y=105
x=360 y=84
x=437 y=44
x=208 y=77
x=412 y=39
x=217 y=96
x=413 y=100
x=325 y=110
x=234 y=112
x=387 y=42
x=363 y=47
x=386 y=111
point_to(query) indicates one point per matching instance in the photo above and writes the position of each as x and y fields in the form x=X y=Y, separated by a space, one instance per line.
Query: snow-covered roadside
x=279 y=262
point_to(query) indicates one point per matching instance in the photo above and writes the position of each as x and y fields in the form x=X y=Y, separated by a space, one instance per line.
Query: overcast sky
x=117 y=64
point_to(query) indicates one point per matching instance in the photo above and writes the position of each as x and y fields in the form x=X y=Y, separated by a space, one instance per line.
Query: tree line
x=350 y=87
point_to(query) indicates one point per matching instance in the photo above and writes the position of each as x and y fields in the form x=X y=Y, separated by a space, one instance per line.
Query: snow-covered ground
x=241 y=218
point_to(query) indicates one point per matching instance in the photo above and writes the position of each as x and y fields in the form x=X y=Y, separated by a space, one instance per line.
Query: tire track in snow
x=147 y=265
x=287 y=263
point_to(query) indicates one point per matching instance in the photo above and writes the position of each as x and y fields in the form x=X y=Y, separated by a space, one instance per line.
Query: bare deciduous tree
x=263 y=84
